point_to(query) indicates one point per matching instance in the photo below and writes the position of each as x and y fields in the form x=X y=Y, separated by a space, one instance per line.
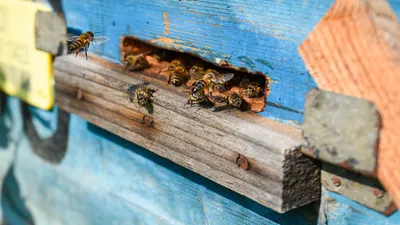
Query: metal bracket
x=343 y=131
x=362 y=189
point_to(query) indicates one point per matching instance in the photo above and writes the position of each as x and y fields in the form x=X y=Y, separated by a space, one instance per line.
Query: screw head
x=242 y=162
x=79 y=94
x=378 y=192
x=147 y=121
x=336 y=181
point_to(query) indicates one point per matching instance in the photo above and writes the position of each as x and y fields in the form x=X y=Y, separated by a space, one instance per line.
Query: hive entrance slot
x=183 y=70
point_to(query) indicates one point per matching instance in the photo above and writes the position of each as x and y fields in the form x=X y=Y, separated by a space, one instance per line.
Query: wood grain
x=196 y=138
x=354 y=50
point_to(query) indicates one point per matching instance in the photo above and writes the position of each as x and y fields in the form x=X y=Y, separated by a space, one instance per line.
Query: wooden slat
x=201 y=140
x=354 y=50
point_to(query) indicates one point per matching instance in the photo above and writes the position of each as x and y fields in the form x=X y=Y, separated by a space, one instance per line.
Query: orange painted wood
x=354 y=50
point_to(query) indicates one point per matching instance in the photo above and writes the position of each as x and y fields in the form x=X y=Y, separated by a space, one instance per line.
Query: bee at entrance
x=142 y=95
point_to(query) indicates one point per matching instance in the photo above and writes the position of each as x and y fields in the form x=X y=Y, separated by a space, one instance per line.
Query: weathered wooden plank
x=123 y=184
x=354 y=50
x=212 y=149
x=201 y=140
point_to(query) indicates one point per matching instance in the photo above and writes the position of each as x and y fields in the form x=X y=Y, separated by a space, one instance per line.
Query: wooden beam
x=354 y=50
x=207 y=142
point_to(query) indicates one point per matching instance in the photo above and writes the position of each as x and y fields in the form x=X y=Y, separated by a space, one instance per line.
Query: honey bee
x=143 y=95
x=212 y=79
x=233 y=100
x=196 y=71
x=84 y=41
x=251 y=89
x=197 y=97
x=136 y=62
x=177 y=73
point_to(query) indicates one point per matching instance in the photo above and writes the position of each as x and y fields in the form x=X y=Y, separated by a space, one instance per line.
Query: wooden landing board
x=354 y=50
x=206 y=142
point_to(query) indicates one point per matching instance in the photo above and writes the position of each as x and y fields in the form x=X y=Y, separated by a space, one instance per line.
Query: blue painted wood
x=104 y=179
x=262 y=35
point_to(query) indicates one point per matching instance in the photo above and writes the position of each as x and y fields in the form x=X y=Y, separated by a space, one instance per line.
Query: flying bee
x=84 y=41
x=233 y=100
x=212 y=79
x=177 y=73
x=136 y=62
x=251 y=89
x=143 y=95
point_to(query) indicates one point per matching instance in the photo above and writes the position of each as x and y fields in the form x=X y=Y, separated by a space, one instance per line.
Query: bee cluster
x=205 y=83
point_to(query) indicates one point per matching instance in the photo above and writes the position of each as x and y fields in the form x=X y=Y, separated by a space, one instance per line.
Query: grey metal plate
x=364 y=190
x=51 y=33
x=341 y=130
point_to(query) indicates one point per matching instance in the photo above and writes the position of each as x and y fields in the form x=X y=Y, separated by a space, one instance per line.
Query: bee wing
x=132 y=89
x=100 y=40
x=244 y=83
x=219 y=99
x=144 y=82
x=151 y=91
x=72 y=37
x=196 y=75
x=220 y=88
x=223 y=78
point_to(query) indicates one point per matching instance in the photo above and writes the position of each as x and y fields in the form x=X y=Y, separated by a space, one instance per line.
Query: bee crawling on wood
x=234 y=100
x=143 y=95
x=177 y=73
x=213 y=80
x=84 y=41
x=251 y=89
x=136 y=62
x=197 y=97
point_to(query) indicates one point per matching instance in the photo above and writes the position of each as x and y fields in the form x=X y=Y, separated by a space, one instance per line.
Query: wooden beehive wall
x=244 y=35
x=236 y=31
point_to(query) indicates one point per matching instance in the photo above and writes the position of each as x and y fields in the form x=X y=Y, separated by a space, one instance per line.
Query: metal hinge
x=343 y=132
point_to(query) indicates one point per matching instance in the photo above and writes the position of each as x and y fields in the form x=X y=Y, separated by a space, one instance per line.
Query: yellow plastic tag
x=25 y=72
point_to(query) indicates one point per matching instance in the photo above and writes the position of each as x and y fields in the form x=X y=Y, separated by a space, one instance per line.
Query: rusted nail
x=378 y=192
x=147 y=121
x=242 y=162
x=79 y=94
x=336 y=181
